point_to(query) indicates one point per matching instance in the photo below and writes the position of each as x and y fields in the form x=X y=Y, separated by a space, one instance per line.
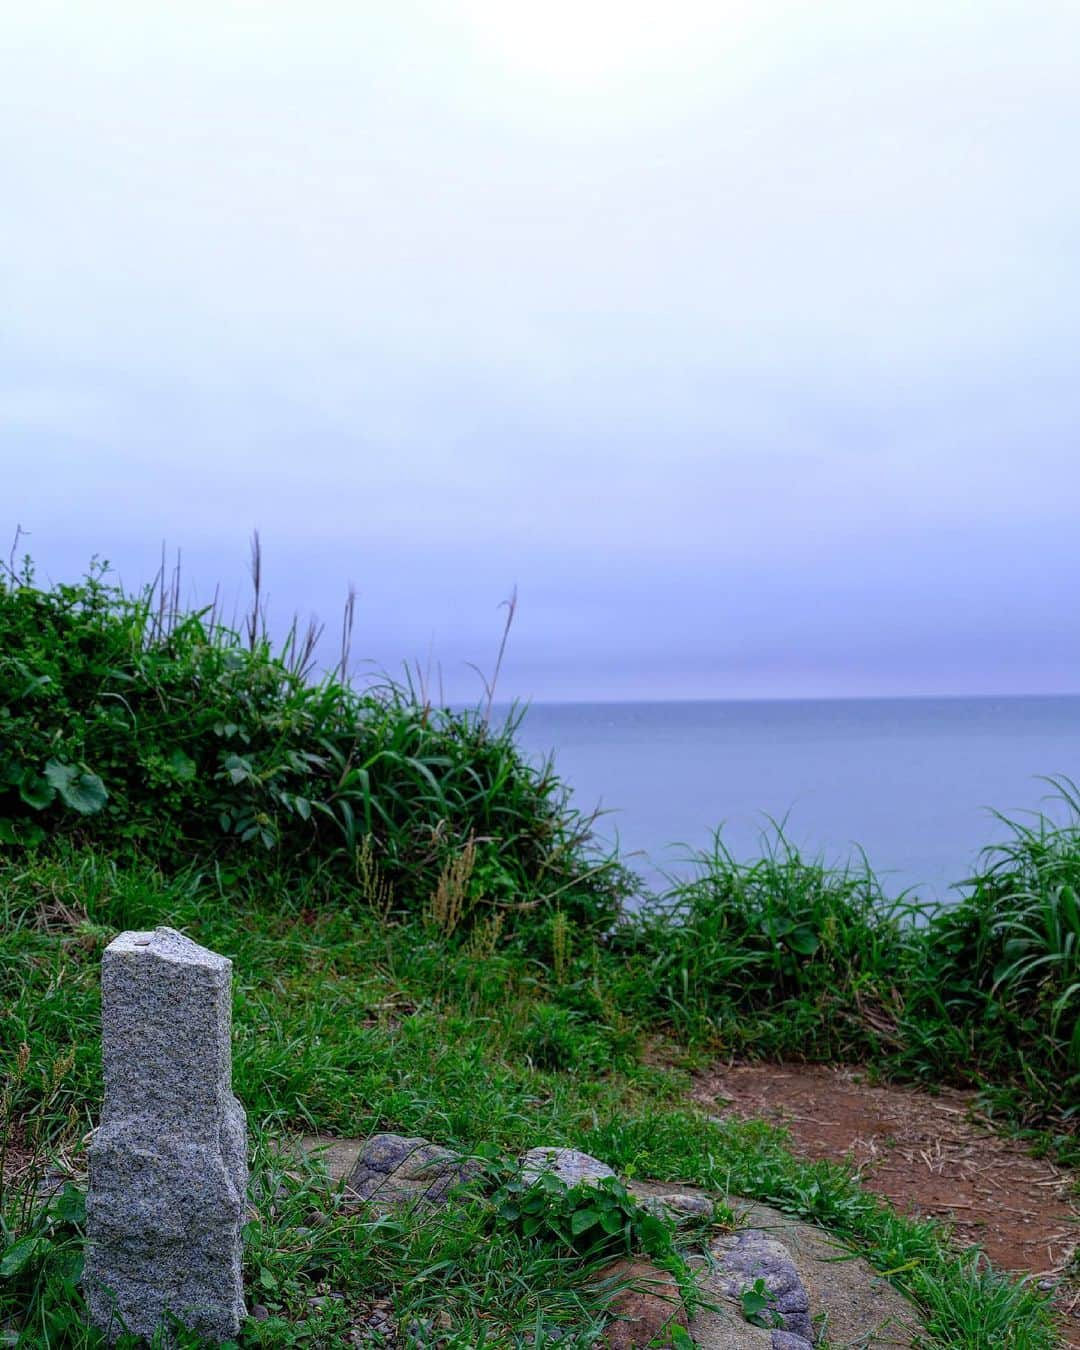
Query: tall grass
x=783 y=956
x=742 y=942
x=995 y=984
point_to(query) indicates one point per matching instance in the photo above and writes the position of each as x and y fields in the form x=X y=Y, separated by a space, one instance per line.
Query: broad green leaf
x=182 y=766
x=582 y=1219
x=804 y=941
x=238 y=769
x=654 y=1234
x=36 y=791
x=16 y=1257
x=70 y=1205
x=83 y=791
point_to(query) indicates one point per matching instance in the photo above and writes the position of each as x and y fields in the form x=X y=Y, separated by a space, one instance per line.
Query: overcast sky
x=741 y=337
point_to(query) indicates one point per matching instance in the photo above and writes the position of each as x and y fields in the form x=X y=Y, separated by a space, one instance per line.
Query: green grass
x=349 y=1024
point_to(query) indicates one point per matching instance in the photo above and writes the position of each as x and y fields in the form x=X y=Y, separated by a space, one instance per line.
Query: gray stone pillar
x=168 y=1164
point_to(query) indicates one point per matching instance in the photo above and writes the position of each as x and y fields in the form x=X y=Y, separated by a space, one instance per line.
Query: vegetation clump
x=595 y=1219
x=783 y=957
x=127 y=723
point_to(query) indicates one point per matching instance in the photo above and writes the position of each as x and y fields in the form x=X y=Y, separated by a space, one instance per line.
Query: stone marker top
x=168 y=945
x=166 y=1009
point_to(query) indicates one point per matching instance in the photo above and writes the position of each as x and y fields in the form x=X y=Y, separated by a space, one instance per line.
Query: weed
x=451 y=899
x=757 y=1303
x=597 y=1220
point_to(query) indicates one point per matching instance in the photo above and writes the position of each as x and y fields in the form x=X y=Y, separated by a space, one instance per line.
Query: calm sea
x=910 y=781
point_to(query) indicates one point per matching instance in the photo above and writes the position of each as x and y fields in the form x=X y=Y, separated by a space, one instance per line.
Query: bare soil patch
x=928 y=1155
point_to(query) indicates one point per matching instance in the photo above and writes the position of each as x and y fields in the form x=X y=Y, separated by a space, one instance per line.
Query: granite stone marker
x=168 y=1164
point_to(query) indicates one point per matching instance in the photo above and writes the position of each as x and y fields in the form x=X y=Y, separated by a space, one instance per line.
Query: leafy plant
x=758 y=1305
x=593 y=1219
x=46 y=1251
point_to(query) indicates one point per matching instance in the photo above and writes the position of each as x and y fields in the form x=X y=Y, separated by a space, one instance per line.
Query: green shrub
x=783 y=957
x=127 y=724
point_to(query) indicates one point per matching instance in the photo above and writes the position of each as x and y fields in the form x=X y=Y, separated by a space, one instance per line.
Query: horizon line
x=774 y=698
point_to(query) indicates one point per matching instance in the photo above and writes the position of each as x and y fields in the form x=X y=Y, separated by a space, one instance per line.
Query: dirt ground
x=929 y=1155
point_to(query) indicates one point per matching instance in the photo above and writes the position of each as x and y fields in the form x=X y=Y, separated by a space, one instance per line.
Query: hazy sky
x=741 y=337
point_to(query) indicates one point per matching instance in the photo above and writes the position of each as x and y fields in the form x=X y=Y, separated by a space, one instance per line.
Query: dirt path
x=928 y=1155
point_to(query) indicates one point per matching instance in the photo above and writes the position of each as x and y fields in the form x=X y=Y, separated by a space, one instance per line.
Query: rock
x=858 y=1306
x=749 y=1255
x=645 y=1302
x=674 y=1208
x=168 y=1168
x=392 y=1169
x=338 y=1156
x=381 y=1320
x=721 y=1327
x=567 y=1164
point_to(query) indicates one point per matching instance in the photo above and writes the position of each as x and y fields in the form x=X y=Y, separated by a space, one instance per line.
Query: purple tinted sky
x=742 y=338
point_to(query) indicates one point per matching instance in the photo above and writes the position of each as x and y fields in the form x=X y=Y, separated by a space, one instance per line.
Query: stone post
x=168 y=1164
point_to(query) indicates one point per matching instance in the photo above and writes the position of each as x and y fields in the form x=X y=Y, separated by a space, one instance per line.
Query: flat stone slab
x=863 y=1309
x=338 y=1156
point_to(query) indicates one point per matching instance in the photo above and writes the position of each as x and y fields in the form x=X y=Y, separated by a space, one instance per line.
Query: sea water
x=913 y=783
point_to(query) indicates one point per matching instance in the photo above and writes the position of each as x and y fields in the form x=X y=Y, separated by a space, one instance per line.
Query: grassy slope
x=347 y=1024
